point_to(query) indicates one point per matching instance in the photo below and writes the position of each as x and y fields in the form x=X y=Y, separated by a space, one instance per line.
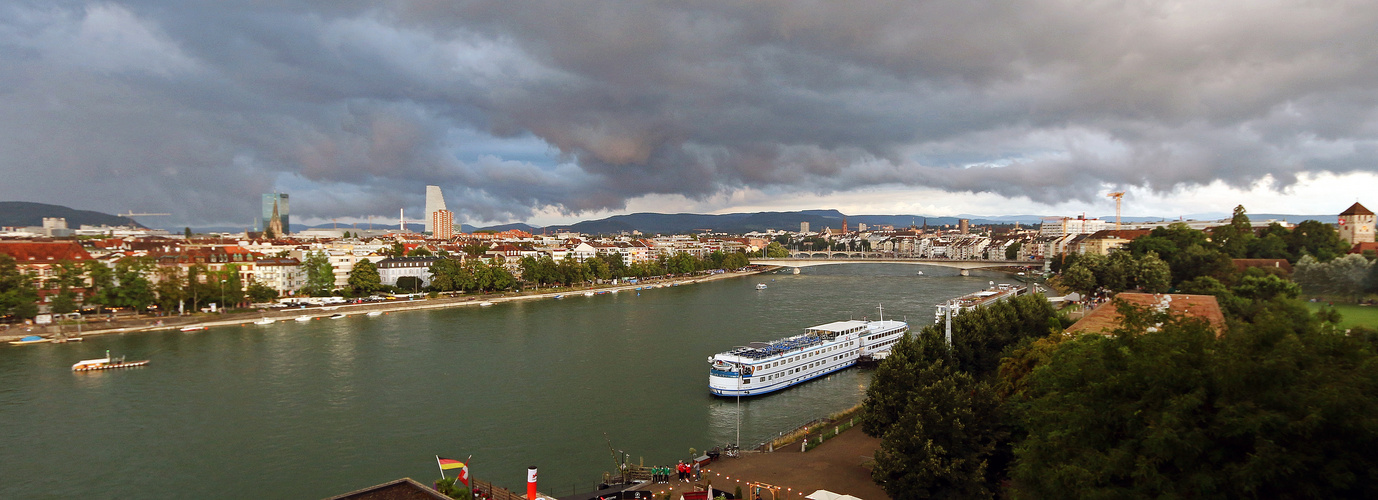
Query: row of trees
x=126 y=285
x=544 y=271
x=1346 y=278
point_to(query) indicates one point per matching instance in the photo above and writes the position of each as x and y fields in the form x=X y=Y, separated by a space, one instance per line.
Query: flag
x=450 y=463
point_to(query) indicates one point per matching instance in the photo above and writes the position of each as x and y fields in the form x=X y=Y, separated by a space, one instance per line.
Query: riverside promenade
x=839 y=465
x=163 y=323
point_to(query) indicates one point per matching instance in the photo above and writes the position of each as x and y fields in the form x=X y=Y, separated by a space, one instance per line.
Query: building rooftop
x=1106 y=318
x=1356 y=209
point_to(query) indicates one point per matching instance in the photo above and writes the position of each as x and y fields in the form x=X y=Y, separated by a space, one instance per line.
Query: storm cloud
x=578 y=106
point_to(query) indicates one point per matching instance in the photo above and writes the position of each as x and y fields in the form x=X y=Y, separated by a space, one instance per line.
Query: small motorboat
x=920 y=273
x=374 y=313
x=303 y=318
x=559 y=296
x=264 y=321
x=485 y=304
x=760 y=286
x=337 y=316
x=193 y=328
x=64 y=340
x=31 y=339
x=588 y=294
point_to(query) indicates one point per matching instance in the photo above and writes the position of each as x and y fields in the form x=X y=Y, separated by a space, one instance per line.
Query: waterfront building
x=1102 y=242
x=1060 y=226
x=276 y=217
x=283 y=274
x=435 y=201
x=393 y=268
x=443 y=224
x=1356 y=225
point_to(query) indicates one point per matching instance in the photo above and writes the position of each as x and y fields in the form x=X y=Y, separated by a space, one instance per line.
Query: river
x=311 y=410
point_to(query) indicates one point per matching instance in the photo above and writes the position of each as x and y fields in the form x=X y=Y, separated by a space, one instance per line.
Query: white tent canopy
x=828 y=495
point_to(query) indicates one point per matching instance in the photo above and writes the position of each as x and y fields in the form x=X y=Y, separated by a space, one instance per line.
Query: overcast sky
x=550 y=111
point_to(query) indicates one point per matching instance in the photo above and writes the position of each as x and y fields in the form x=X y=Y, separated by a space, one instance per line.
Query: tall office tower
x=434 y=201
x=803 y=227
x=275 y=214
x=963 y=225
x=444 y=223
x=1356 y=225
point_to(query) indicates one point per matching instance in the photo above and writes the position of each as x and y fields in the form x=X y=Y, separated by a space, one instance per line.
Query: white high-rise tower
x=434 y=202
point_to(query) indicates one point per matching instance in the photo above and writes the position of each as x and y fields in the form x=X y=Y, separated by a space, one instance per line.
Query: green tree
x=1080 y=279
x=475 y=250
x=134 y=290
x=1152 y=274
x=261 y=293
x=775 y=250
x=18 y=297
x=364 y=278
x=64 y=302
x=1277 y=408
x=1341 y=278
x=735 y=260
x=1317 y=239
x=419 y=252
x=187 y=232
x=320 y=275
x=171 y=289
x=410 y=284
x=102 y=280
x=1012 y=251
x=941 y=445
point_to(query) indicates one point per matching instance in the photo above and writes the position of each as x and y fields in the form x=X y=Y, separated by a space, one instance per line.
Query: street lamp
x=222 y=296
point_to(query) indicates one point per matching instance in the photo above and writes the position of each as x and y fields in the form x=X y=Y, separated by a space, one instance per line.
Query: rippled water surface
x=311 y=410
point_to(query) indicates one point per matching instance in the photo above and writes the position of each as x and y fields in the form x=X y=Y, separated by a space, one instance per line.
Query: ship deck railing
x=721 y=373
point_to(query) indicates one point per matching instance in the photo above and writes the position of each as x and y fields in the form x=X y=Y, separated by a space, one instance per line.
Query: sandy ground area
x=838 y=465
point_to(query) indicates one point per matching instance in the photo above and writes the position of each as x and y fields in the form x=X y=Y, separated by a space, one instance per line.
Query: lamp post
x=222 y=296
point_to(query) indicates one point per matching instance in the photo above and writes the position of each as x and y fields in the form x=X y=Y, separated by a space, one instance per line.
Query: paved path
x=837 y=466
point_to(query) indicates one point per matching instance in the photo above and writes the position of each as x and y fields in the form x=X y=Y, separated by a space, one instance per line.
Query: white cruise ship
x=765 y=367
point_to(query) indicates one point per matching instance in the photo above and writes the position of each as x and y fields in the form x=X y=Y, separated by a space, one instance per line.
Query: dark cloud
x=515 y=107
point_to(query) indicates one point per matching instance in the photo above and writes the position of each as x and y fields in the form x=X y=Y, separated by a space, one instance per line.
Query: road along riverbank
x=164 y=323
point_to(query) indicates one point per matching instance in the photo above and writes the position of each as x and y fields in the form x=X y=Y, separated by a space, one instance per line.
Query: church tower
x=1356 y=225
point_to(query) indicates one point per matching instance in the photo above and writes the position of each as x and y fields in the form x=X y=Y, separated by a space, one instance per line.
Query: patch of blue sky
x=470 y=146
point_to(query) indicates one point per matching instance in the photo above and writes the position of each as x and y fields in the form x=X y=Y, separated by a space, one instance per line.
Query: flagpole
x=442 y=467
x=469 y=471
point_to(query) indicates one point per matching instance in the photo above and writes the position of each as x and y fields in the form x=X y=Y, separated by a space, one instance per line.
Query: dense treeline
x=546 y=271
x=1282 y=405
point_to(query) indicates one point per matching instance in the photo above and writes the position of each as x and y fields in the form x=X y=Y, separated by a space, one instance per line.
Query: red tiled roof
x=1107 y=318
x=45 y=251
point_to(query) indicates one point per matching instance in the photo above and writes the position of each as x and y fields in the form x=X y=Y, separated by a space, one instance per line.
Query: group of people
x=683 y=471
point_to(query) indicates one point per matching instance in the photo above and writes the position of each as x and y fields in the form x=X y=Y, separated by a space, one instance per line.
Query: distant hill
x=23 y=213
x=738 y=223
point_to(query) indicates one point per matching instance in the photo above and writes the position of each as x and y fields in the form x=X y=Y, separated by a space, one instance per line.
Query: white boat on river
x=765 y=367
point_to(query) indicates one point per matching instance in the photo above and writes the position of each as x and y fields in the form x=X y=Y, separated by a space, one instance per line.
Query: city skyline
x=552 y=113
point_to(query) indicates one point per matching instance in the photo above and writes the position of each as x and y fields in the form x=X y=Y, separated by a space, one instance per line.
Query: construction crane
x=1118 y=198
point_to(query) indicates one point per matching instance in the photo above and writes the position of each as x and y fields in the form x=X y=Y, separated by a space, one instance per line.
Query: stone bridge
x=808 y=259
